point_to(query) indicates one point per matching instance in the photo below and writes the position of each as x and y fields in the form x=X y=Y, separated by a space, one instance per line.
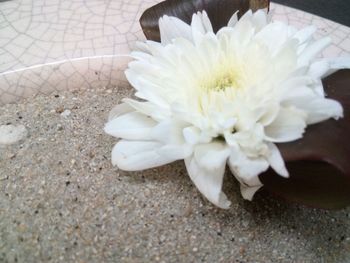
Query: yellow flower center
x=220 y=81
x=223 y=82
x=216 y=89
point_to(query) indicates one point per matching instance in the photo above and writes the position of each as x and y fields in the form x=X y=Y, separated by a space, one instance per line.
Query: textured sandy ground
x=62 y=201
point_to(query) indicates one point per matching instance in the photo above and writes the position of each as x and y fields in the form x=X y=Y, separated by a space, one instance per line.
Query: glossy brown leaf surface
x=219 y=12
x=319 y=163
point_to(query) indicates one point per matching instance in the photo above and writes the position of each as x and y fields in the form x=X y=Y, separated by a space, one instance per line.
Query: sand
x=62 y=201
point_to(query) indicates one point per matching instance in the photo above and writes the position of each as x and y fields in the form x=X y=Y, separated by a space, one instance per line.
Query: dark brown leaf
x=219 y=12
x=319 y=163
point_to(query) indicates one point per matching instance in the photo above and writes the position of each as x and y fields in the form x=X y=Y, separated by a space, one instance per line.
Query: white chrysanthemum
x=217 y=99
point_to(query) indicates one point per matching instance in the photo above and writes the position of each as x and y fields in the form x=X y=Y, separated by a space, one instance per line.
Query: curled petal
x=288 y=126
x=246 y=168
x=323 y=109
x=130 y=126
x=336 y=64
x=319 y=68
x=269 y=114
x=211 y=156
x=276 y=161
x=246 y=172
x=148 y=109
x=138 y=155
x=250 y=187
x=118 y=110
x=209 y=183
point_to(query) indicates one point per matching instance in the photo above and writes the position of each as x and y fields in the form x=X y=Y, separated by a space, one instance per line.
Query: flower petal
x=276 y=161
x=172 y=27
x=233 y=20
x=209 y=183
x=259 y=19
x=149 y=109
x=319 y=68
x=130 y=126
x=118 y=110
x=169 y=132
x=301 y=94
x=193 y=135
x=244 y=29
x=246 y=168
x=246 y=172
x=201 y=23
x=274 y=35
x=249 y=188
x=138 y=155
x=305 y=34
x=289 y=125
x=146 y=89
x=312 y=50
x=176 y=152
x=337 y=63
x=211 y=156
x=269 y=113
x=322 y=109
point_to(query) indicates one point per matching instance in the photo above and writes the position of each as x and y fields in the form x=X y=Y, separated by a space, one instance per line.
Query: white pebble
x=10 y=134
x=66 y=113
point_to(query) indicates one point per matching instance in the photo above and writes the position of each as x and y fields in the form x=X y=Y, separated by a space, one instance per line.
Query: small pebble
x=10 y=134
x=66 y=113
x=242 y=250
x=59 y=109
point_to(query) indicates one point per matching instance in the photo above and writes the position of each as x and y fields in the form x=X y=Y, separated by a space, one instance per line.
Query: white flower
x=225 y=98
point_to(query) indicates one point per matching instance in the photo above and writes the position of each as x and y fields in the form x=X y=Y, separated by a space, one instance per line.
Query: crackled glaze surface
x=59 y=31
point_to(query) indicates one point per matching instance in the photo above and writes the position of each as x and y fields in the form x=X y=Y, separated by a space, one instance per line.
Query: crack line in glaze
x=61 y=62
